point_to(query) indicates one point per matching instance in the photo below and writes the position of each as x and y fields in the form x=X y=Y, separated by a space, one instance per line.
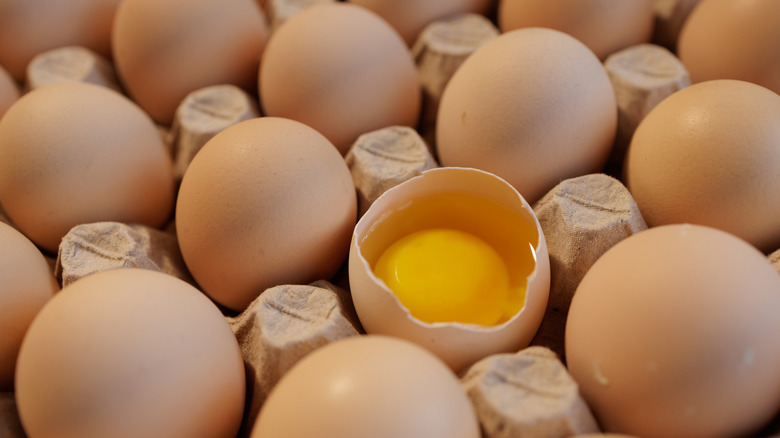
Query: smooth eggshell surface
x=74 y=153
x=31 y=27
x=459 y=345
x=166 y=49
x=533 y=106
x=267 y=201
x=342 y=70
x=368 y=386
x=709 y=154
x=733 y=39
x=605 y=26
x=130 y=353
x=673 y=332
x=27 y=284
x=409 y=17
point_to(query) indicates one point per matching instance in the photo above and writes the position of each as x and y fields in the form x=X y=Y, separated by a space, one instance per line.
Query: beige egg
x=732 y=39
x=533 y=106
x=9 y=91
x=30 y=27
x=130 y=353
x=75 y=153
x=605 y=26
x=474 y=202
x=342 y=70
x=267 y=201
x=673 y=332
x=368 y=386
x=166 y=49
x=27 y=284
x=409 y=17
x=709 y=154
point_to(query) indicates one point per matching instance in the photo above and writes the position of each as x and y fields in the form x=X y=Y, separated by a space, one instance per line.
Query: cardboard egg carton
x=71 y=63
x=527 y=393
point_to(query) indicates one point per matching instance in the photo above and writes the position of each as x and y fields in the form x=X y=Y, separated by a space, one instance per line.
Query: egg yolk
x=446 y=275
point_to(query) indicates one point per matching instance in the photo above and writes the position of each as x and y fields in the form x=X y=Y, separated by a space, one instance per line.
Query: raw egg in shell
x=454 y=260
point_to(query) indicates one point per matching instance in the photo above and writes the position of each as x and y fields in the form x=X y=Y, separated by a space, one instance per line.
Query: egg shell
x=459 y=345
x=368 y=386
x=733 y=39
x=130 y=353
x=673 y=332
x=605 y=26
x=409 y=17
x=27 y=284
x=30 y=27
x=342 y=70
x=165 y=50
x=708 y=154
x=74 y=153
x=267 y=201
x=533 y=106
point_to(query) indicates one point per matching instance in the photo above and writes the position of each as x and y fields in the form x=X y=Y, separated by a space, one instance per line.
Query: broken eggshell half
x=469 y=200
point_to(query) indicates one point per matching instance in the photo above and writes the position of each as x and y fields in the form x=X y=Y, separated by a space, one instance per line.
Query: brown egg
x=268 y=201
x=342 y=70
x=27 y=284
x=9 y=91
x=30 y=27
x=368 y=386
x=533 y=106
x=74 y=153
x=166 y=49
x=409 y=17
x=130 y=353
x=709 y=154
x=673 y=333
x=732 y=39
x=605 y=26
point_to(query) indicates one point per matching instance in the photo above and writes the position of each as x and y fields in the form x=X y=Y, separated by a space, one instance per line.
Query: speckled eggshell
x=368 y=386
x=709 y=154
x=74 y=153
x=533 y=106
x=30 y=27
x=27 y=284
x=342 y=70
x=130 y=353
x=605 y=26
x=267 y=201
x=9 y=91
x=673 y=333
x=166 y=49
x=733 y=39
x=409 y=17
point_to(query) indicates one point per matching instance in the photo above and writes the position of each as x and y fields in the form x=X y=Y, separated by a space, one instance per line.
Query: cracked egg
x=453 y=260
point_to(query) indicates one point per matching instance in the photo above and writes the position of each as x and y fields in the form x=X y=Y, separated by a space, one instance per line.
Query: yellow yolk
x=446 y=275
